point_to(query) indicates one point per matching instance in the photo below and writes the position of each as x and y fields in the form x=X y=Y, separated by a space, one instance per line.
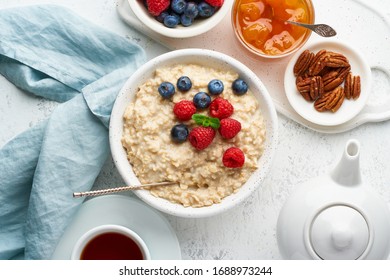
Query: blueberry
x=178 y=6
x=191 y=10
x=202 y=100
x=240 y=87
x=205 y=10
x=161 y=17
x=186 y=21
x=179 y=133
x=166 y=90
x=184 y=83
x=171 y=21
x=215 y=87
x=177 y=16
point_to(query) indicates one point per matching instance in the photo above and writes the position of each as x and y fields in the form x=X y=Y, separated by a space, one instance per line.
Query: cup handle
x=378 y=112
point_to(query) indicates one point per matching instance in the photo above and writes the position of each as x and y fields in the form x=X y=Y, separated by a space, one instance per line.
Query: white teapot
x=335 y=216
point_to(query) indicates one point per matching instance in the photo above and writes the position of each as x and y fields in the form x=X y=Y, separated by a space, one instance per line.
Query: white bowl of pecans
x=328 y=83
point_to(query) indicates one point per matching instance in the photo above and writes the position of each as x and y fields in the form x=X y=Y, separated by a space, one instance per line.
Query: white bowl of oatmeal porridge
x=144 y=152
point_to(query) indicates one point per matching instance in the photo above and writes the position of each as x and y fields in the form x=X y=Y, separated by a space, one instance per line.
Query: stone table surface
x=249 y=230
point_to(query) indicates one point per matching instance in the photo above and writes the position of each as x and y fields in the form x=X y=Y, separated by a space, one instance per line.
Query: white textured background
x=248 y=231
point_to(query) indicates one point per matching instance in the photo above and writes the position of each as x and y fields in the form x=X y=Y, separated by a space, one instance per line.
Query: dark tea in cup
x=110 y=242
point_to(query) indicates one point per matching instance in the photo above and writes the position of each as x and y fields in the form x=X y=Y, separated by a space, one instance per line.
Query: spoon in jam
x=321 y=29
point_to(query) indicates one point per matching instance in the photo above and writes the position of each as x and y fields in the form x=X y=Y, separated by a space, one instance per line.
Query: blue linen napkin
x=51 y=52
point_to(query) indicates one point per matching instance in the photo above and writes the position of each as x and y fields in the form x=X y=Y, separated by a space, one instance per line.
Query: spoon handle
x=323 y=30
x=120 y=189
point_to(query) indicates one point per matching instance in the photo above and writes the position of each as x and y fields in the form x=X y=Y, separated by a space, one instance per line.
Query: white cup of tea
x=110 y=242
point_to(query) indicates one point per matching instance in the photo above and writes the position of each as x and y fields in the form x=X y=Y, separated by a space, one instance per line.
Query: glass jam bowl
x=260 y=26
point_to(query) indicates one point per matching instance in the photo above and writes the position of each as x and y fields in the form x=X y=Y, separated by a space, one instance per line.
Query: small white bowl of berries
x=180 y=18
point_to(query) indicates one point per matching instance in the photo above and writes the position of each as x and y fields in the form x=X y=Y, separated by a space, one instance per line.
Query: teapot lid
x=338 y=232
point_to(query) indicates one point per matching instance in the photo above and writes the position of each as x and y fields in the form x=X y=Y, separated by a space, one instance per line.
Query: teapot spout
x=347 y=171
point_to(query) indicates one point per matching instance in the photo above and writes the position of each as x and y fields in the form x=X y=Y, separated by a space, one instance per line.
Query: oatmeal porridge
x=204 y=176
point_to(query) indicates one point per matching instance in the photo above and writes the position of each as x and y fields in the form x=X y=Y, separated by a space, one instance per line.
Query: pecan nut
x=327 y=59
x=316 y=88
x=331 y=100
x=335 y=78
x=298 y=80
x=303 y=86
x=348 y=86
x=352 y=86
x=303 y=63
x=356 y=87
x=318 y=63
x=310 y=88
x=335 y=60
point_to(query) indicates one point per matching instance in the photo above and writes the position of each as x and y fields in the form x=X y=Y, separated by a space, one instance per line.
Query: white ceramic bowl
x=207 y=58
x=198 y=27
x=350 y=108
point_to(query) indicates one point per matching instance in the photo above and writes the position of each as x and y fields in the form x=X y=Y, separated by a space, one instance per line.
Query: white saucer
x=147 y=222
x=350 y=108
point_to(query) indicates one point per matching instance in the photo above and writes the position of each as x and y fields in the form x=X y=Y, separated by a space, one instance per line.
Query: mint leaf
x=214 y=123
x=206 y=121
x=198 y=118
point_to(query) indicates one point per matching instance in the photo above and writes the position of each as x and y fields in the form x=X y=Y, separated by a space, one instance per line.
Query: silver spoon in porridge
x=121 y=189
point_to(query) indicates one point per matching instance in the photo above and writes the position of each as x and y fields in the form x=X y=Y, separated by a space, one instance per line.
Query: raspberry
x=221 y=108
x=156 y=7
x=233 y=158
x=215 y=3
x=201 y=137
x=184 y=110
x=229 y=128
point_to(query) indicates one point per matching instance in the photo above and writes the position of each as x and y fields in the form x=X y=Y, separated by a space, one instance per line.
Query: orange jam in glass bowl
x=260 y=25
